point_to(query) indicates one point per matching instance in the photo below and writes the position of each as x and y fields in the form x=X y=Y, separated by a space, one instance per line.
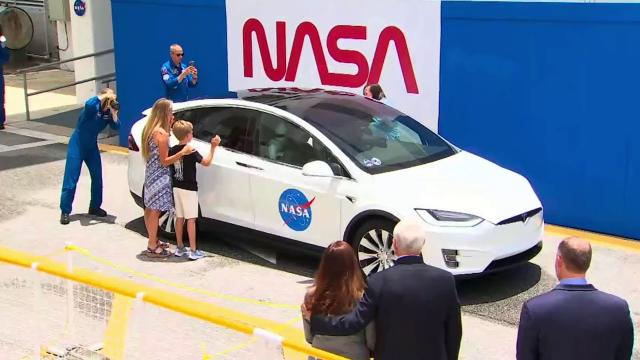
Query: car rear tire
x=167 y=224
x=372 y=243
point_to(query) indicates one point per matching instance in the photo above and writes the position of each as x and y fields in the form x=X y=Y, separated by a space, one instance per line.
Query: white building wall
x=65 y=43
x=91 y=33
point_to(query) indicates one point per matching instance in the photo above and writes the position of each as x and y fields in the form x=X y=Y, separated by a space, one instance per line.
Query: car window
x=285 y=142
x=235 y=126
x=376 y=137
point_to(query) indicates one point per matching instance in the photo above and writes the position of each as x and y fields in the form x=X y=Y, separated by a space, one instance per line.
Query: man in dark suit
x=575 y=320
x=415 y=306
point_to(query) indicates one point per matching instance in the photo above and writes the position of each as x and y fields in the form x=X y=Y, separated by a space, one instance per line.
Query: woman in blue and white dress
x=157 y=192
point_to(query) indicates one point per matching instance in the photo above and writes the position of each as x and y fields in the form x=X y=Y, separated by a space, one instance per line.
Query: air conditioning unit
x=17 y=27
x=59 y=10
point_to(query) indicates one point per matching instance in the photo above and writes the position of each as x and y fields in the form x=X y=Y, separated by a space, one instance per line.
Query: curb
x=601 y=239
x=113 y=149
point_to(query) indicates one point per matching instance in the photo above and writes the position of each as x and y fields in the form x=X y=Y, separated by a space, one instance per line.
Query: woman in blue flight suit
x=99 y=111
x=4 y=58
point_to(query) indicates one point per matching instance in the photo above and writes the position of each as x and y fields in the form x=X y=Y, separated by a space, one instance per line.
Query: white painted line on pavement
x=38 y=134
x=27 y=146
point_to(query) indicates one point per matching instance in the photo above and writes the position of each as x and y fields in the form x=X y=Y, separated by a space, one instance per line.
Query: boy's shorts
x=186 y=202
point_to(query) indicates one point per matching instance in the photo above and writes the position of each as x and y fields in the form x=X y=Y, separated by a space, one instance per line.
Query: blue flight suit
x=4 y=58
x=174 y=90
x=83 y=146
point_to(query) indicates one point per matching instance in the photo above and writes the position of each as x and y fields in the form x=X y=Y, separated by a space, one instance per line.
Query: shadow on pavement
x=169 y=259
x=89 y=220
x=10 y=139
x=499 y=296
x=499 y=285
x=32 y=156
x=67 y=119
x=211 y=242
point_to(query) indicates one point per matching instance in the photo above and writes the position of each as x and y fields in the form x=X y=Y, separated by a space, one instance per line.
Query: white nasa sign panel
x=341 y=45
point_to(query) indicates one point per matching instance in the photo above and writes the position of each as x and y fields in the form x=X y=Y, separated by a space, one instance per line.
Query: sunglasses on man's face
x=180 y=54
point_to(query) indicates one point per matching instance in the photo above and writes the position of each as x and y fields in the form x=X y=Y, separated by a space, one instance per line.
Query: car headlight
x=448 y=218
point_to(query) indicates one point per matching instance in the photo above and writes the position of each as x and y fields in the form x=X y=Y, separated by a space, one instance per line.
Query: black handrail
x=25 y=71
x=53 y=64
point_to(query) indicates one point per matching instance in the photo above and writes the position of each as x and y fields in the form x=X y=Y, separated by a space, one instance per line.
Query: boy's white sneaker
x=195 y=255
x=182 y=251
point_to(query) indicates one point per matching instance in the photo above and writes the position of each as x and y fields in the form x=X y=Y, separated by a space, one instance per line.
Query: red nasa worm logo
x=288 y=70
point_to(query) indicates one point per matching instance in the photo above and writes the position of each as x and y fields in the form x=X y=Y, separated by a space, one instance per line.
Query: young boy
x=185 y=187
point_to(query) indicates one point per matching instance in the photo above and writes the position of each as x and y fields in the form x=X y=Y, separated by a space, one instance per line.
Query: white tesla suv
x=301 y=169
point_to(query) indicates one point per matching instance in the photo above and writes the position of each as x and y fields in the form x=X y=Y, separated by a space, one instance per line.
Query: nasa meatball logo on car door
x=295 y=209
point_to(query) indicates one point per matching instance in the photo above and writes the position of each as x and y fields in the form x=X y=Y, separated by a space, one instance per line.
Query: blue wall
x=143 y=31
x=546 y=89
x=550 y=90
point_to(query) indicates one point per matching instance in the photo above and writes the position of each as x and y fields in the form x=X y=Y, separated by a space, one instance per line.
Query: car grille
x=520 y=217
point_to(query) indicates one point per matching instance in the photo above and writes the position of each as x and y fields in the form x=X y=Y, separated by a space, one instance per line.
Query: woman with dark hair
x=337 y=288
x=373 y=91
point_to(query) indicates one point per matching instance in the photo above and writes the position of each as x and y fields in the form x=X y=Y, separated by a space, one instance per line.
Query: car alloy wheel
x=167 y=223
x=374 y=246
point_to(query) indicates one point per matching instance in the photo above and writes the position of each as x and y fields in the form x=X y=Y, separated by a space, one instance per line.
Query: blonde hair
x=181 y=129
x=159 y=118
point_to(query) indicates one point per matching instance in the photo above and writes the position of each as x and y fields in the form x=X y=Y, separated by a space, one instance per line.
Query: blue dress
x=158 y=194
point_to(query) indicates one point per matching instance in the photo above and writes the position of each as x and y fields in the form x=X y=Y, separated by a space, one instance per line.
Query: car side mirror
x=337 y=169
x=317 y=168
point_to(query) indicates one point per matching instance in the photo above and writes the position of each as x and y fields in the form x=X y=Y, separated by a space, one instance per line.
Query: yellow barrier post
x=116 y=332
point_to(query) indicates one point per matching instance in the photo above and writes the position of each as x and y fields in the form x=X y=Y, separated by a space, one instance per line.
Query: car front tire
x=372 y=244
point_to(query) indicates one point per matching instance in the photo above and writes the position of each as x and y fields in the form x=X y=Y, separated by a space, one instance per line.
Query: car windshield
x=377 y=137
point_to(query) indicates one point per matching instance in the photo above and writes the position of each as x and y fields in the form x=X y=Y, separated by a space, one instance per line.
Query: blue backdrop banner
x=549 y=90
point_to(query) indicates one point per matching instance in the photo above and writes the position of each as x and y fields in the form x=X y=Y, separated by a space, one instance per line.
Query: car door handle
x=248 y=166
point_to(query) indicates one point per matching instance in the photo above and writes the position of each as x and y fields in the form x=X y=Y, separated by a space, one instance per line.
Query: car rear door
x=224 y=188
x=288 y=203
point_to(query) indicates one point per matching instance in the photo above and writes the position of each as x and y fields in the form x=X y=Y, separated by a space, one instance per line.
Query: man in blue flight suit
x=178 y=77
x=4 y=58
x=99 y=111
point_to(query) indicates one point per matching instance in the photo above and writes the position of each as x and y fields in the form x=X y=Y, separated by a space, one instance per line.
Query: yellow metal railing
x=238 y=321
